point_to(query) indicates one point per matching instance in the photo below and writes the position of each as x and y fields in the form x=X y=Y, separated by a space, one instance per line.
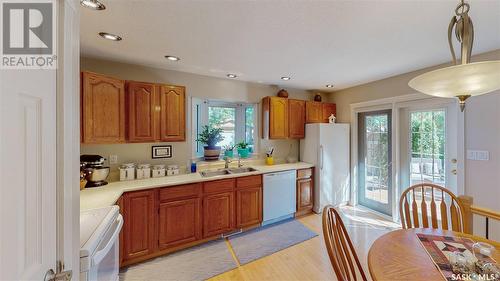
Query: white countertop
x=107 y=195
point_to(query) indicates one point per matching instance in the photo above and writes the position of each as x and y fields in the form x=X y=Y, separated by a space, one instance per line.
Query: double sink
x=229 y=171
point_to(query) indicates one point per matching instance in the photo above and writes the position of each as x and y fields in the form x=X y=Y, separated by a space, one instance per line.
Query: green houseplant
x=229 y=150
x=243 y=149
x=211 y=136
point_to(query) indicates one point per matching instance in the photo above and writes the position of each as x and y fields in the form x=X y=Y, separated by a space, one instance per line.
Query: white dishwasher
x=279 y=196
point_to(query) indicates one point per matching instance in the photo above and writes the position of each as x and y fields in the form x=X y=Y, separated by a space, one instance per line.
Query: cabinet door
x=179 y=222
x=304 y=194
x=139 y=224
x=218 y=213
x=173 y=113
x=327 y=110
x=278 y=118
x=142 y=121
x=248 y=206
x=314 y=112
x=103 y=109
x=297 y=119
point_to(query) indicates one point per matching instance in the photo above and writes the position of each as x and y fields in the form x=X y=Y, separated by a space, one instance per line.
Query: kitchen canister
x=158 y=171
x=143 y=171
x=127 y=171
x=172 y=170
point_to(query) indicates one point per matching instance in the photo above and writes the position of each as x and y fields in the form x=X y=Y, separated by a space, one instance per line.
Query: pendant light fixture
x=464 y=79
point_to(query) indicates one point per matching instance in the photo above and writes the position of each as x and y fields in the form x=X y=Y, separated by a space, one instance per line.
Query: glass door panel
x=427 y=147
x=374 y=161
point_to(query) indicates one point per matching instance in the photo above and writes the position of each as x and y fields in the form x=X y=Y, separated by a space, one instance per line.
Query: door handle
x=454 y=171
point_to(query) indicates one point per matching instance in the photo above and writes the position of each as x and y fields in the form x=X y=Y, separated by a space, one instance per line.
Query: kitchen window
x=237 y=120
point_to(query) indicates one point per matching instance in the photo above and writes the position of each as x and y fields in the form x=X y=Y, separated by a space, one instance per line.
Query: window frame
x=200 y=118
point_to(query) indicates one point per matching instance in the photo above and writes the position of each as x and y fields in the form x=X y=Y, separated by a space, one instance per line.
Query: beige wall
x=196 y=86
x=389 y=87
x=482 y=118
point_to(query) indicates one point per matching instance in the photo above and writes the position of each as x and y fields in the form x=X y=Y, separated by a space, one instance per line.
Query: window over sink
x=237 y=120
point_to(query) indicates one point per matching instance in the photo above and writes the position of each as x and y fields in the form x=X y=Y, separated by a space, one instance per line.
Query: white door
x=429 y=136
x=27 y=174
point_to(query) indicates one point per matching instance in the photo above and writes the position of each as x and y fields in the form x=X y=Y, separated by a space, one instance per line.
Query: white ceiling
x=315 y=42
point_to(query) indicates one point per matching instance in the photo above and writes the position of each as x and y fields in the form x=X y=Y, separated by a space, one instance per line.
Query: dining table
x=399 y=255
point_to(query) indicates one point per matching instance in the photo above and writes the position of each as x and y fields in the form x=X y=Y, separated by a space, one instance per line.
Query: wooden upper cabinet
x=327 y=110
x=142 y=111
x=275 y=117
x=296 y=119
x=173 y=113
x=314 y=112
x=139 y=226
x=103 y=109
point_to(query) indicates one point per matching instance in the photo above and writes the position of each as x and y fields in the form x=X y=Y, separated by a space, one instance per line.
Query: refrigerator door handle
x=321 y=157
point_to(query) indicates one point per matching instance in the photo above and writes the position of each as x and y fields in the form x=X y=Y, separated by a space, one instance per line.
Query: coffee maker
x=94 y=170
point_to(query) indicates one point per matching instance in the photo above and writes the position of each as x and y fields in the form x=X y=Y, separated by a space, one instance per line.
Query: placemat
x=439 y=248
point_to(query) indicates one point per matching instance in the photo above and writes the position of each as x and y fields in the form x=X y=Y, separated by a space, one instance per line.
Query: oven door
x=105 y=261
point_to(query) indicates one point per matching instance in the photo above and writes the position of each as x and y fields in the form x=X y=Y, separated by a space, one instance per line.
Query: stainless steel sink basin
x=207 y=174
x=222 y=172
x=241 y=170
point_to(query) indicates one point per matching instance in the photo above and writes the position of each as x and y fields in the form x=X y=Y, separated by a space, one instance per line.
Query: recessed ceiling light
x=172 y=58
x=286 y=78
x=110 y=36
x=329 y=85
x=230 y=75
x=92 y=4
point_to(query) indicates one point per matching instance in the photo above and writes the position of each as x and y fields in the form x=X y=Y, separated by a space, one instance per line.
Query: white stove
x=99 y=256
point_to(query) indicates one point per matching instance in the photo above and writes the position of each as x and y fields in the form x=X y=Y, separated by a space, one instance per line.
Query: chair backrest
x=342 y=255
x=422 y=201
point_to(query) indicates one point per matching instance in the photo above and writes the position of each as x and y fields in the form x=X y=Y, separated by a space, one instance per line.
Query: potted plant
x=211 y=136
x=229 y=150
x=243 y=149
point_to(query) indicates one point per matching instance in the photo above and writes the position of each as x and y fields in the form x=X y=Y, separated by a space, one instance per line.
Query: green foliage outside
x=427 y=134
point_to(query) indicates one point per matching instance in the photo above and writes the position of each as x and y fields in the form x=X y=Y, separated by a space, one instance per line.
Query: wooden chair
x=416 y=201
x=340 y=248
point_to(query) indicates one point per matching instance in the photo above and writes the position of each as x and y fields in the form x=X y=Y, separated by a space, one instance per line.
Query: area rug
x=264 y=241
x=196 y=263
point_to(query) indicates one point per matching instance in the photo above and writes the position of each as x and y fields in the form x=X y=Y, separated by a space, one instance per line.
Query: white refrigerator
x=327 y=147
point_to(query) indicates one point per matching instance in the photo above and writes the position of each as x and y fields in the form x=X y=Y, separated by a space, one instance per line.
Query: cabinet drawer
x=304 y=173
x=181 y=191
x=218 y=186
x=249 y=181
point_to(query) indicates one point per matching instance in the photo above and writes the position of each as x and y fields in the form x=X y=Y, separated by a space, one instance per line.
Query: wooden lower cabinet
x=218 y=213
x=179 y=222
x=139 y=225
x=248 y=206
x=305 y=191
x=162 y=220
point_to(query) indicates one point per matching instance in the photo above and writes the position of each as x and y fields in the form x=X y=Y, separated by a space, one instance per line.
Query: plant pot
x=229 y=153
x=243 y=152
x=212 y=153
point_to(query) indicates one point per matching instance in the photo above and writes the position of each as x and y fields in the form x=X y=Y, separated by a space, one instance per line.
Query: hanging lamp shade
x=464 y=79
x=469 y=79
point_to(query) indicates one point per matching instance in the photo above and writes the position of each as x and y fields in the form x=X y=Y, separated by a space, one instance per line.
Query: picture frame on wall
x=161 y=151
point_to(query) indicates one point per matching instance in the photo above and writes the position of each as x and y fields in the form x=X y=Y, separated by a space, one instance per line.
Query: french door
x=375 y=160
x=429 y=146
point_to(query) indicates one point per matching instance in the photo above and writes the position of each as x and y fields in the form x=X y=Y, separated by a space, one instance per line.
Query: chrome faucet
x=239 y=162
x=227 y=161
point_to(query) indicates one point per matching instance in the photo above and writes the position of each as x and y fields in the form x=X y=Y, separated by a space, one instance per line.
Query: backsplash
x=181 y=153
